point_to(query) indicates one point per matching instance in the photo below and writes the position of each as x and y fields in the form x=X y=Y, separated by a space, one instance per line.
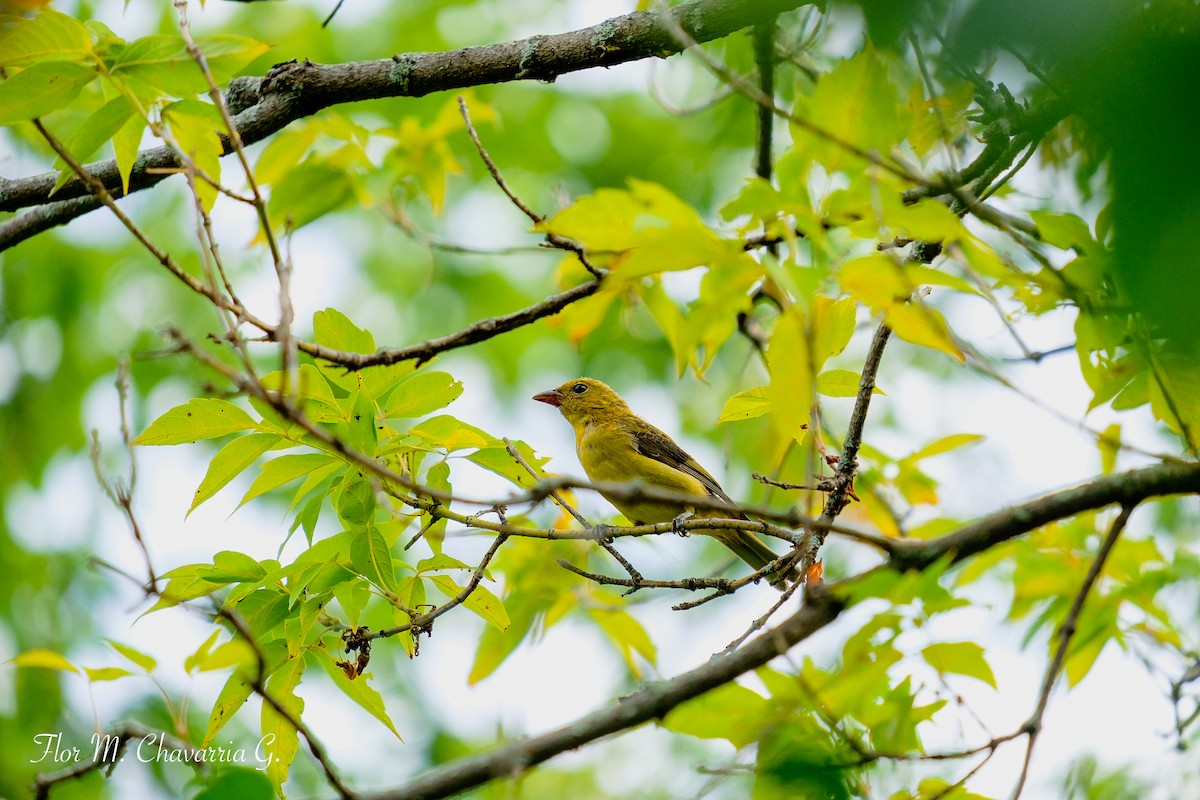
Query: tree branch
x=1127 y=488
x=820 y=609
x=652 y=702
x=295 y=90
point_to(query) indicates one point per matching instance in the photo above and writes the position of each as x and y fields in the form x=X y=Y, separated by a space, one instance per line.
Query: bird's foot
x=677 y=523
x=603 y=533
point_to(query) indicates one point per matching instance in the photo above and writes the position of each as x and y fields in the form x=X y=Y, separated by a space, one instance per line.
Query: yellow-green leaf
x=833 y=327
x=745 y=405
x=730 y=712
x=47 y=659
x=790 y=390
x=233 y=695
x=202 y=418
x=1110 y=447
x=422 y=393
x=98 y=674
x=481 y=600
x=143 y=660
x=287 y=468
x=100 y=127
x=49 y=36
x=925 y=326
x=370 y=555
x=960 y=658
x=36 y=91
x=163 y=61
x=944 y=445
x=280 y=740
x=841 y=383
x=358 y=690
x=627 y=634
x=856 y=103
x=230 y=461
x=452 y=434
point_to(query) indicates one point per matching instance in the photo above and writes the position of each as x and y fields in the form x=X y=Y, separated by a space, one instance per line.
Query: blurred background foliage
x=378 y=185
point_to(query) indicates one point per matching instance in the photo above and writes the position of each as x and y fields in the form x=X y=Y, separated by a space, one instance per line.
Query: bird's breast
x=608 y=454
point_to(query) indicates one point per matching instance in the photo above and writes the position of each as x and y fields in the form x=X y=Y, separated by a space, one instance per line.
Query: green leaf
x=126 y=143
x=1064 y=231
x=163 y=61
x=280 y=740
x=857 y=104
x=42 y=88
x=309 y=192
x=357 y=690
x=101 y=126
x=195 y=126
x=284 y=469
x=234 y=694
x=730 y=712
x=334 y=329
x=185 y=583
x=841 y=383
x=960 y=658
x=238 y=783
x=202 y=418
x=441 y=561
x=481 y=600
x=308 y=383
x=230 y=566
x=422 y=393
x=230 y=461
x=745 y=405
x=49 y=36
x=355 y=500
x=372 y=558
x=497 y=459
x=449 y=433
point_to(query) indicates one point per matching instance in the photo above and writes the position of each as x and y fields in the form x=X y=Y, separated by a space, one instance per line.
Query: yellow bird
x=615 y=445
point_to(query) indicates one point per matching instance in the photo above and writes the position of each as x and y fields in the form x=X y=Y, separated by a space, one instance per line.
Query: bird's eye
x=579 y=388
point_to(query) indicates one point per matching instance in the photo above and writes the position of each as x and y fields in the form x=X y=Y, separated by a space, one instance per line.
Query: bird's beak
x=552 y=398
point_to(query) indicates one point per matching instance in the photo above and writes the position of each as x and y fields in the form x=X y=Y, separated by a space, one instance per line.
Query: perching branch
x=820 y=609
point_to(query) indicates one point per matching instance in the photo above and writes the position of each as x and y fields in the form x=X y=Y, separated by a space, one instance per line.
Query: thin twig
x=560 y=242
x=424 y=622
x=1065 y=633
x=258 y=684
x=847 y=465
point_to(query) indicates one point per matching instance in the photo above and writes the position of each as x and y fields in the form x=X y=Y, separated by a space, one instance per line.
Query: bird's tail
x=754 y=551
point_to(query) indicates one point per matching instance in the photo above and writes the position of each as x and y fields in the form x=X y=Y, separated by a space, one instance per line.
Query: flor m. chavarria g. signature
x=51 y=748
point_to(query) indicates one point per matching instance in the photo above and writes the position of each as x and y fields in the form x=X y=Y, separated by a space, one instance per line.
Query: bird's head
x=583 y=399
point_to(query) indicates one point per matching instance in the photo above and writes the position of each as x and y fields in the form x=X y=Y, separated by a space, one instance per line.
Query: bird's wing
x=653 y=443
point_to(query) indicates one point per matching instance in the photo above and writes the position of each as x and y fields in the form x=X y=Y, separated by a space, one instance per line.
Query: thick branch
x=648 y=704
x=295 y=90
x=1126 y=488
x=820 y=609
